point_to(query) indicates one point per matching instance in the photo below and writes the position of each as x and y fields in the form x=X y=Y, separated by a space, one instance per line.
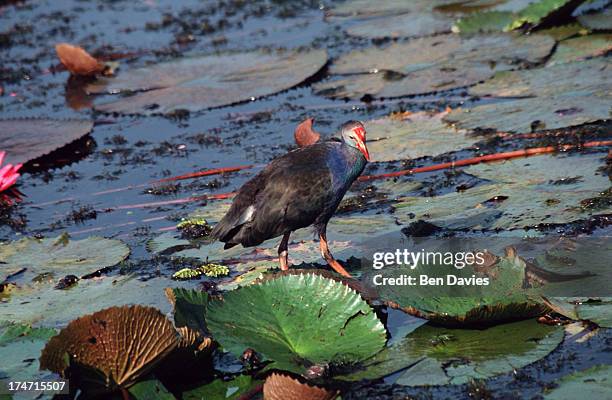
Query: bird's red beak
x=362 y=147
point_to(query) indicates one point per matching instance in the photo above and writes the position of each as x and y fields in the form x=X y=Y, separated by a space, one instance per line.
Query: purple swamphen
x=296 y=190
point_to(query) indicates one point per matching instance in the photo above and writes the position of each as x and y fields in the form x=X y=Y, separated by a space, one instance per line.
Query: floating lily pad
x=533 y=13
x=121 y=343
x=20 y=347
x=502 y=300
x=27 y=139
x=529 y=191
x=545 y=98
x=597 y=310
x=580 y=48
x=60 y=255
x=189 y=308
x=601 y=21
x=436 y=63
x=150 y=389
x=413 y=136
x=456 y=356
x=594 y=383
x=283 y=386
x=221 y=389
x=197 y=83
x=296 y=321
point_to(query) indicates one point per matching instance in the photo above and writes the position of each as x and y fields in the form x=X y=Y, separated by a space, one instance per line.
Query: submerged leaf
x=296 y=321
x=600 y=21
x=120 y=343
x=580 y=48
x=197 y=83
x=27 y=139
x=436 y=63
x=593 y=383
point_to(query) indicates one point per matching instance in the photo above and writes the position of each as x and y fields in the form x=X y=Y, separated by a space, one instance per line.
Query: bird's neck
x=346 y=163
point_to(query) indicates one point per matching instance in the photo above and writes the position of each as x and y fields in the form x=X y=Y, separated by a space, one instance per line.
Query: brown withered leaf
x=120 y=343
x=283 y=387
x=305 y=135
x=78 y=61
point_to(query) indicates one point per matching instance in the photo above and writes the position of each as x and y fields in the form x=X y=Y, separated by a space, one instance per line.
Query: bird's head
x=354 y=134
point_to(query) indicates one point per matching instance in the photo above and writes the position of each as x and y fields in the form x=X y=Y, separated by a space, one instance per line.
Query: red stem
x=204 y=173
x=488 y=158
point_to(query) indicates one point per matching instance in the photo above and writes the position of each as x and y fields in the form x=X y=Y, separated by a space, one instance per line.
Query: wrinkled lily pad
x=283 y=386
x=502 y=300
x=61 y=255
x=20 y=347
x=595 y=310
x=580 y=48
x=455 y=356
x=416 y=135
x=592 y=383
x=197 y=83
x=436 y=63
x=296 y=321
x=27 y=139
x=121 y=343
x=545 y=98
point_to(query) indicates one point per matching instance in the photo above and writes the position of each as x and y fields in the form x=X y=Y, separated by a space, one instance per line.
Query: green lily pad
x=502 y=300
x=189 y=308
x=221 y=390
x=530 y=191
x=296 y=321
x=601 y=21
x=580 y=48
x=533 y=13
x=597 y=310
x=558 y=96
x=594 y=383
x=436 y=63
x=20 y=347
x=150 y=389
x=456 y=356
x=198 y=83
x=61 y=255
x=416 y=135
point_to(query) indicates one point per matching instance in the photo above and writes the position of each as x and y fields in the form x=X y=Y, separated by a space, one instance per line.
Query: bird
x=298 y=189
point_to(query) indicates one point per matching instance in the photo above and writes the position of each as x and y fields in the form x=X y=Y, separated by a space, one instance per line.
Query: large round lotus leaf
x=61 y=255
x=548 y=98
x=504 y=299
x=121 y=343
x=296 y=321
x=592 y=383
x=532 y=13
x=435 y=63
x=456 y=356
x=601 y=21
x=30 y=138
x=581 y=48
x=415 y=135
x=20 y=347
x=522 y=192
x=597 y=310
x=197 y=83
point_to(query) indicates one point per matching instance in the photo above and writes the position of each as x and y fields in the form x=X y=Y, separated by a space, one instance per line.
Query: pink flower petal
x=5 y=171
x=8 y=183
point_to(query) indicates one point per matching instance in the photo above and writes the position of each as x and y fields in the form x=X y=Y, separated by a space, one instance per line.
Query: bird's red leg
x=283 y=254
x=328 y=256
